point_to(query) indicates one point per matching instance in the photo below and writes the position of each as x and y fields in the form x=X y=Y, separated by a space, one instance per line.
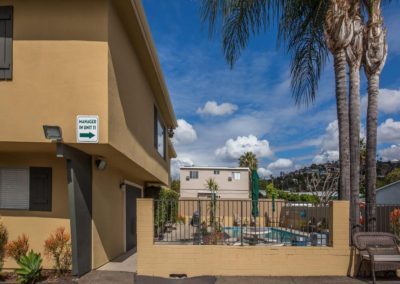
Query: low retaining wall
x=192 y=260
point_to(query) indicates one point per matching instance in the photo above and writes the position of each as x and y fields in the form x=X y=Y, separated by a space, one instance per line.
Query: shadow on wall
x=130 y=91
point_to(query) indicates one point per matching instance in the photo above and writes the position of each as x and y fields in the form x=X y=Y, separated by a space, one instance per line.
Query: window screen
x=236 y=175
x=6 y=40
x=14 y=188
x=194 y=174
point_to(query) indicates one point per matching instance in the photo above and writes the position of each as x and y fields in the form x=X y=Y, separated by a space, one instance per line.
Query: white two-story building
x=233 y=183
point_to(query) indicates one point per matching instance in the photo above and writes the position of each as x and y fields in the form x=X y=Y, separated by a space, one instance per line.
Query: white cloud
x=264 y=173
x=326 y=156
x=280 y=164
x=213 y=109
x=233 y=149
x=388 y=101
x=184 y=133
x=330 y=140
x=177 y=163
x=390 y=154
x=389 y=131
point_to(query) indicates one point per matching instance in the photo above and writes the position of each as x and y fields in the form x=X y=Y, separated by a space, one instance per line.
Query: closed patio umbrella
x=254 y=193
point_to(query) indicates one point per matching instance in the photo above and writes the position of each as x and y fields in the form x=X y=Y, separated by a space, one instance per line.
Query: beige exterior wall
x=67 y=64
x=37 y=225
x=234 y=189
x=131 y=101
x=59 y=69
x=163 y=260
x=108 y=215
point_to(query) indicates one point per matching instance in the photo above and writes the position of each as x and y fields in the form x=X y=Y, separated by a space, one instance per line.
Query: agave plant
x=30 y=270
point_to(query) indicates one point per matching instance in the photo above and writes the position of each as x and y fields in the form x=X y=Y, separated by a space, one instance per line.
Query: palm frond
x=239 y=20
x=301 y=30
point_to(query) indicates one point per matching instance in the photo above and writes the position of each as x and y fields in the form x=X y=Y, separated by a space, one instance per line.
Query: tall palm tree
x=375 y=46
x=354 y=52
x=249 y=160
x=339 y=33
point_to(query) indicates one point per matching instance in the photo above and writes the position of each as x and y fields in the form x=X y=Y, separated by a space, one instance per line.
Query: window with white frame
x=236 y=175
x=194 y=174
x=216 y=172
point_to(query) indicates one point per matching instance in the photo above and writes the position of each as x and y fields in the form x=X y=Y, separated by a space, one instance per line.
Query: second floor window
x=194 y=174
x=6 y=40
x=159 y=134
x=216 y=172
x=236 y=176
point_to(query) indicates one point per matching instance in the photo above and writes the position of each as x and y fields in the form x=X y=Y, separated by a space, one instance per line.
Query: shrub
x=58 y=247
x=18 y=247
x=3 y=242
x=30 y=270
x=395 y=221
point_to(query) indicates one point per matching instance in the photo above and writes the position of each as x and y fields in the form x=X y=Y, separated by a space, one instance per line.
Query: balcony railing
x=241 y=222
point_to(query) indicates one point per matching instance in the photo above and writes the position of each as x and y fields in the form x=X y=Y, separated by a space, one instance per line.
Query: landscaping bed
x=48 y=276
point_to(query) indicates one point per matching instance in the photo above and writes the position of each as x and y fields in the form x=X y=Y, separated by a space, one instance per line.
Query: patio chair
x=380 y=250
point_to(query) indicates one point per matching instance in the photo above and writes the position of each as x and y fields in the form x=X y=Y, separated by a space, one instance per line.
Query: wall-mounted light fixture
x=101 y=163
x=52 y=132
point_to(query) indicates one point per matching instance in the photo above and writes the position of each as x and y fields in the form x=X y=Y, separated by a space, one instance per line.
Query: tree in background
x=213 y=187
x=393 y=176
x=248 y=160
x=176 y=185
x=323 y=187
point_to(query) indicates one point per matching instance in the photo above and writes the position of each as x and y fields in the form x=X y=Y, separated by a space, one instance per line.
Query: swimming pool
x=269 y=235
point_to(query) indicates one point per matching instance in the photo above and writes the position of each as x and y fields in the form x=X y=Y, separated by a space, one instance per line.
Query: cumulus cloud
x=213 y=109
x=329 y=144
x=264 y=173
x=184 y=133
x=280 y=164
x=330 y=140
x=391 y=154
x=388 y=101
x=389 y=131
x=233 y=149
x=326 y=156
x=177 y=163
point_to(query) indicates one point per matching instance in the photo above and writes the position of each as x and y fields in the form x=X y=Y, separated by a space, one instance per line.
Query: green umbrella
x=254 y=193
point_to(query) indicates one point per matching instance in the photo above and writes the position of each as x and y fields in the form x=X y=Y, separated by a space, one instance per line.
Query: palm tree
x=338 y=34
x=249 y=160
x=212 y=186
x=375 y=47
x=354 y=52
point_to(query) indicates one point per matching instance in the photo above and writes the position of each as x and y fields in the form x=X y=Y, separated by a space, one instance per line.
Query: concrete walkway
x=124 y=263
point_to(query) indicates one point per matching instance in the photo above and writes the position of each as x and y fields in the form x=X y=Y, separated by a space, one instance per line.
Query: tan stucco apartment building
x=233 y=183
x=86 y=74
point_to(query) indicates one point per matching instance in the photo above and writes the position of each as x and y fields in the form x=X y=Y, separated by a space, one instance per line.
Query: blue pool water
x=273 y=235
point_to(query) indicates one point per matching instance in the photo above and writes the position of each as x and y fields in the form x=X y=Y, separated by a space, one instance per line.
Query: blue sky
x=223 y=112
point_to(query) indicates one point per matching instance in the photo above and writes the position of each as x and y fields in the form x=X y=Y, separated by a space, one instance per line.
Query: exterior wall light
x=101 y=164
x=52 y=133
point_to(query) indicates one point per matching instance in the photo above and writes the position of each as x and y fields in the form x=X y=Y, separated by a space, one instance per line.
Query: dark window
x=26 y=188
x=40 y=189
x=194 y=174
x=159 y=134
x=6 y=42
x=216 y=172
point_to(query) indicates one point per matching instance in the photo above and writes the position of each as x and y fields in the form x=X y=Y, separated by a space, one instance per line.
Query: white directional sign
x=87 y=129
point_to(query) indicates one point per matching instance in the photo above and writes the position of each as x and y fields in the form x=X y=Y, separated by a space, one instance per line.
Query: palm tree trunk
x=372 y=124
x=343 y=123
x=354 y=118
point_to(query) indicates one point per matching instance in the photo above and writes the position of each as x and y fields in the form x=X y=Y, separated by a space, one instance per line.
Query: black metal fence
x=241 y=222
